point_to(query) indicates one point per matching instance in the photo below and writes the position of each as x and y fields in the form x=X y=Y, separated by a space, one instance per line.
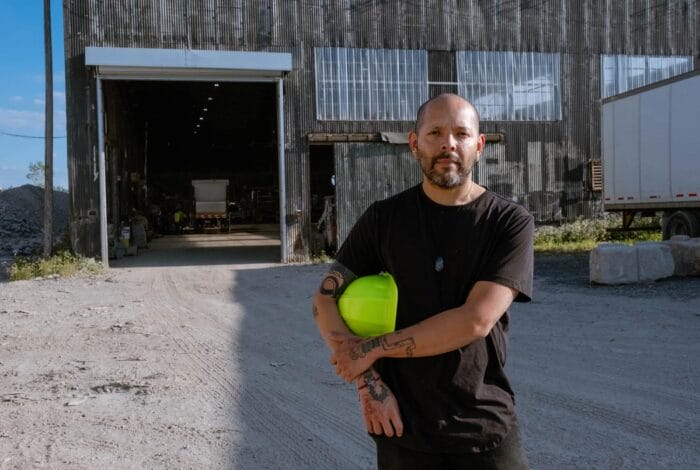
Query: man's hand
x=351 y=355
x=379 y=407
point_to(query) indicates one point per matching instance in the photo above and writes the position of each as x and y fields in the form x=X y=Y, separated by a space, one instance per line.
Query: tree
x=36 y=173
x=48 y=134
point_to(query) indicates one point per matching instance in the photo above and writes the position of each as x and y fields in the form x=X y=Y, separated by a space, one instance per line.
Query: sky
x=22 y=90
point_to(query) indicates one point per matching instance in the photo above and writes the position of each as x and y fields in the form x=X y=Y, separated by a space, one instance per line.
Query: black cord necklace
x=438 y=232
x=437 y=235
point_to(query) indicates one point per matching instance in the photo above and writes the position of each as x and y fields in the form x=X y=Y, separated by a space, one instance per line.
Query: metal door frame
x=133 y=64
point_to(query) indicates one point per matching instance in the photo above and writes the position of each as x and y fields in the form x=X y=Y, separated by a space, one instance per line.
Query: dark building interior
x=163 y=135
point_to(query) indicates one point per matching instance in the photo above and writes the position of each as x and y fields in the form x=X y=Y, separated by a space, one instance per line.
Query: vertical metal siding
x=579 y=31
x=366 y=172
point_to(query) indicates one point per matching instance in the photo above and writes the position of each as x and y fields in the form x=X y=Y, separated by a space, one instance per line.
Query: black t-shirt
x=460 y=401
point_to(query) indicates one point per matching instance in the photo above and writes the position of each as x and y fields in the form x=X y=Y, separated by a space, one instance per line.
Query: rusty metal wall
x=544 y=162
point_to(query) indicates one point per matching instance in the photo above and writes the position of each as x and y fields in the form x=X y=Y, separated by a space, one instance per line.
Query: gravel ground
x=192 y=358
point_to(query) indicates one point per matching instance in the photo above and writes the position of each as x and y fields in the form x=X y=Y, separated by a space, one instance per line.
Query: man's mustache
x=446 y=155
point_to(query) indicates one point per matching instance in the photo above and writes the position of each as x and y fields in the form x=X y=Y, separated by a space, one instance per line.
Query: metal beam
x=188 y=59
x=282 y=181
x=392 y=137
x=104 y=246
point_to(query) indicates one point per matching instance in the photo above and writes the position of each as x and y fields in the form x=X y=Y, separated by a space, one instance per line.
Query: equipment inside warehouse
x=190 y=157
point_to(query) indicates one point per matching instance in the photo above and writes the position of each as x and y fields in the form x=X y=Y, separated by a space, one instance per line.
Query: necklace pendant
x=439 y=264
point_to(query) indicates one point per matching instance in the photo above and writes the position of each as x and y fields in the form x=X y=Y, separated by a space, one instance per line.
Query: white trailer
x=651 y=154
x=210 y=200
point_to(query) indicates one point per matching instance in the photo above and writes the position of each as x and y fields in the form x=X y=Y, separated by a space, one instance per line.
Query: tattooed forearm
x=368 y=377
x=336 y=280
x=377 y=390
x=363 y=348
x=408 y=344
x=331 y=284
x=314 y=309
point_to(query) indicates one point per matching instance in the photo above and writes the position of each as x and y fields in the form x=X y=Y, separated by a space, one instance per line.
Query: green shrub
x=321 y=258
x=585 y=234
x=63 y=264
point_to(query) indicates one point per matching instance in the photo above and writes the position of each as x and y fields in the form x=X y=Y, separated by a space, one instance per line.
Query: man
x=179 y=219
x=434 y=393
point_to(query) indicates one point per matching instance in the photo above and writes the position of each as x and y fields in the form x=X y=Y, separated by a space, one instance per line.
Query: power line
x=23 y=136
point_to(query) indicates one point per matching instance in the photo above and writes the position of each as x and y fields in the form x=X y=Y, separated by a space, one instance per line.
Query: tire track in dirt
x=612 y=419
x=261 y=413
x=34 y=446
x=170 y=318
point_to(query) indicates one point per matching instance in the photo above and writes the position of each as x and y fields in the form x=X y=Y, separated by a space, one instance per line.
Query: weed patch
x=63 y=264
x=586 y=234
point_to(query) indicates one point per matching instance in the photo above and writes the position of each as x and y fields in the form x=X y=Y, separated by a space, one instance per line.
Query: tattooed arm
x=379 y=407
x=325 y=308
x=441 y=333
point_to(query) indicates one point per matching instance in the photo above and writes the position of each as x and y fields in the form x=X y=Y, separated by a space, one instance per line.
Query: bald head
x=443 y=98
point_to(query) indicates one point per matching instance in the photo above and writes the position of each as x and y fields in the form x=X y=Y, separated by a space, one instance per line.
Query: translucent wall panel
x=511 y=86
x=620 y=73
x=370 y=84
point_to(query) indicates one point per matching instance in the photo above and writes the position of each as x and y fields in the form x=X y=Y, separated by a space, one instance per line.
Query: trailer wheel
x=681 y=223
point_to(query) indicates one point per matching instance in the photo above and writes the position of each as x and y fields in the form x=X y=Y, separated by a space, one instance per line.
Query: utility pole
x=48 y=134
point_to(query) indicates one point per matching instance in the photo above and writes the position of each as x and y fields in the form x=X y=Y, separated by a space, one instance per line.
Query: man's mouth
x=446 y=159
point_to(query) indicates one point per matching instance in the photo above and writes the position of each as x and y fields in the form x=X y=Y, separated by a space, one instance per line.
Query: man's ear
x=480 y=146
x=413 y=143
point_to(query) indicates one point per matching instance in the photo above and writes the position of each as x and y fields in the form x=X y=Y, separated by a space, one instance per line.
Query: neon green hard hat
x=368 y=305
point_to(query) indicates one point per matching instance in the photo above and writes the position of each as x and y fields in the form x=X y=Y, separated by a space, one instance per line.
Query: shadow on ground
x=295 y=412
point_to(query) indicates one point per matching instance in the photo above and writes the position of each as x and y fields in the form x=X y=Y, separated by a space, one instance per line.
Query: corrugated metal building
x=281 y=96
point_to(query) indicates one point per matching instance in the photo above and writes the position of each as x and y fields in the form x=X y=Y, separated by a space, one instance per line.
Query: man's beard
x=446 y=179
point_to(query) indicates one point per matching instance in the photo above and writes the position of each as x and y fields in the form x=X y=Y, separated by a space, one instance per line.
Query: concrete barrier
x=654 y=261
x=613 y=263
x=686 y=255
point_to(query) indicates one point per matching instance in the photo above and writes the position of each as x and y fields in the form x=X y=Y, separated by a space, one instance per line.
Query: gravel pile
x=21 y=219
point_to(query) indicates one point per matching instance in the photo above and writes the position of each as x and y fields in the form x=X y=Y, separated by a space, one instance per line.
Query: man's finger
x=398 y=426
x=387 y=427
x=397 y=422
x=368 y=422
x=388 y=430
x=376 y=427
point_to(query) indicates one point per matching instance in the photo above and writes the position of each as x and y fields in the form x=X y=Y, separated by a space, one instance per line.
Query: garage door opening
x=195 y=163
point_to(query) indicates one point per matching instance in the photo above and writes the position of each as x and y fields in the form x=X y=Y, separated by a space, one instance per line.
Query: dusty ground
x=208 y=358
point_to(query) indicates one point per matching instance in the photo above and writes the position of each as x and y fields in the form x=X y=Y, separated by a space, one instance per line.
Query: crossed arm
x=449 y=330
x=441 y=333
x=379 y=407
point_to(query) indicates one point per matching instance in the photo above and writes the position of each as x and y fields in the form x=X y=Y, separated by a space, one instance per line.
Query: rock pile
x=21 y=219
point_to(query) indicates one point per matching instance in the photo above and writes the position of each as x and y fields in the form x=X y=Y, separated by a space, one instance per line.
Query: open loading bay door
x=192 y=157
x=189 y=153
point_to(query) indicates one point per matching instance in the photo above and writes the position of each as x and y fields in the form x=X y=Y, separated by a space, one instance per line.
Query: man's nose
x=450 y=143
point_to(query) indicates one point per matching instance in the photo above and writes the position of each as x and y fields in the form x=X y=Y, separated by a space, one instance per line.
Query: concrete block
x=654 y=261
x=613 y=263
x=686 y=255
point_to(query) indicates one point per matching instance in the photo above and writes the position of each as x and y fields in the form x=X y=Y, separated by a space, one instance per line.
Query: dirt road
x=191 y=358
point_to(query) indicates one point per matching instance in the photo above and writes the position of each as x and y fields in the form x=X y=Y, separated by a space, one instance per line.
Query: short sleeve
x=511 y=264
x=360 y=250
